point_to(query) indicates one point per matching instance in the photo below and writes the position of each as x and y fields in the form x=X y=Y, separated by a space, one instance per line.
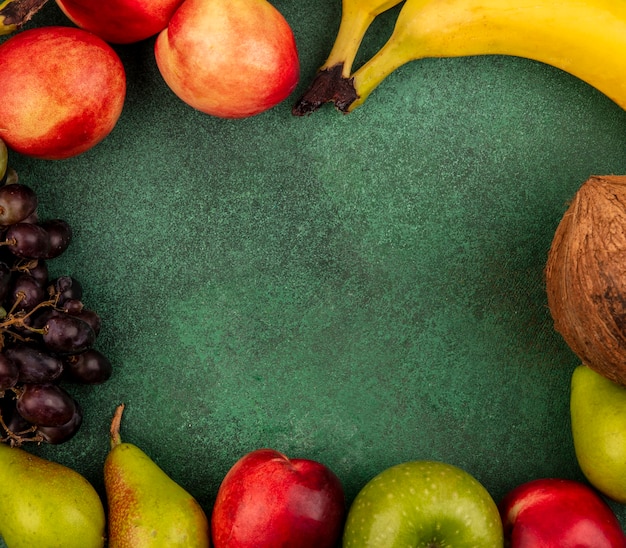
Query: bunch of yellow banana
x=586 y=38
x=332 y=80
x=15 y=13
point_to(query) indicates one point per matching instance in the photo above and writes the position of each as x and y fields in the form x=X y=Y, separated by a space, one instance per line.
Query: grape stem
x=16 y=439
x=25 y=265
x=18 y=319
x=114 y=432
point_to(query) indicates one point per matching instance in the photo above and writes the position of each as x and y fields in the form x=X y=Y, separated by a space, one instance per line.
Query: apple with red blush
x=120 y=21
x=228 y=58
x=267 y=499
x=62 y=89
x=559 y=513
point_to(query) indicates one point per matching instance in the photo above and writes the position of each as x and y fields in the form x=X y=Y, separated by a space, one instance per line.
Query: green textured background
x=359 y=289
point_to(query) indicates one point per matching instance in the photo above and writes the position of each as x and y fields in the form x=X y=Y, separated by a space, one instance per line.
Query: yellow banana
x=15 y=13
x=356 y=18
x=586 y=38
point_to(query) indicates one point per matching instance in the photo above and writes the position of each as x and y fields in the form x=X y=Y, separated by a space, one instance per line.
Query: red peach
x=62 y=90
x=228 y=58
x=120 y=21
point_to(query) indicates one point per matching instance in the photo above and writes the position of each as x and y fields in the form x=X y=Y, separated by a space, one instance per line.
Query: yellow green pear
x=598 y=415
x=47 y=505
x=146 y=507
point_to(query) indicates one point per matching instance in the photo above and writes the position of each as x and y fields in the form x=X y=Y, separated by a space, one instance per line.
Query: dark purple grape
x=14 y=422
x=60 y=236
x=76 y=308
x=65 y=334
x=32 y=218
x=28 y=241
x=39 y=318
x=88 y=367
x=67 y=288
x=17 y=202
x=73 y=306
x=40 y=272
x=5 y=280
x=35 y=366
x=9 y=372
x=90 y=317
x=60 y=434
x=45 y=404
x=27 y=290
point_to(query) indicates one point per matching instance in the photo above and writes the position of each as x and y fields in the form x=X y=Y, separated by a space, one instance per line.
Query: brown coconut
x=586 y=276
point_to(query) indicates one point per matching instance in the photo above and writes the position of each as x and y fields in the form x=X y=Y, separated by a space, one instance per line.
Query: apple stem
x=114 y=432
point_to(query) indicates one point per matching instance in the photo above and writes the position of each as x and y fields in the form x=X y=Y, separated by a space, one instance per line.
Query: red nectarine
x=120 y=21
x=228 y=58
x=62 y=90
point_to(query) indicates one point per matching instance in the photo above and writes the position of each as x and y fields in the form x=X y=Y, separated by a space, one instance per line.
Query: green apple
x=425 y=504
x=598 y=414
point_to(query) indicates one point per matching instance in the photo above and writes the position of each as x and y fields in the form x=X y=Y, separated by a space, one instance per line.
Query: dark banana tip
x=304 y=106
x=328 y=86
x=19 y=12
x=321 y=90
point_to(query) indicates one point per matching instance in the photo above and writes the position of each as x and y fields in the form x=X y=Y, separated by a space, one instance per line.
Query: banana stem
x=15 y=13
x=114 y=432
x=332 y=78
x=328 y=86
x=349 y=93
x=332 y=81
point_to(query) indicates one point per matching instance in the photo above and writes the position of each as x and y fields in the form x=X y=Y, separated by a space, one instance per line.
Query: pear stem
x=114 y=432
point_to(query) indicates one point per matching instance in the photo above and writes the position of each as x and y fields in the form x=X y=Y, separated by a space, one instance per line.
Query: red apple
x=120 y=21
x=559 y=513
x=62 y=91
x=228 y=58
x=267 y=500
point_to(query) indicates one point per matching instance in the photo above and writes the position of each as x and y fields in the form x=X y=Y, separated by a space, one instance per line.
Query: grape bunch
x=47 y=334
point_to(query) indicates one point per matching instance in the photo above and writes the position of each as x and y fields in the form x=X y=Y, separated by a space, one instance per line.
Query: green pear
x=47 y=505
x=146 y=507
x=598 y=415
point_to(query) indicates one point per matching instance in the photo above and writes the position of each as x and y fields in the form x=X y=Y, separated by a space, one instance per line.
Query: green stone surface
x=360 y=289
